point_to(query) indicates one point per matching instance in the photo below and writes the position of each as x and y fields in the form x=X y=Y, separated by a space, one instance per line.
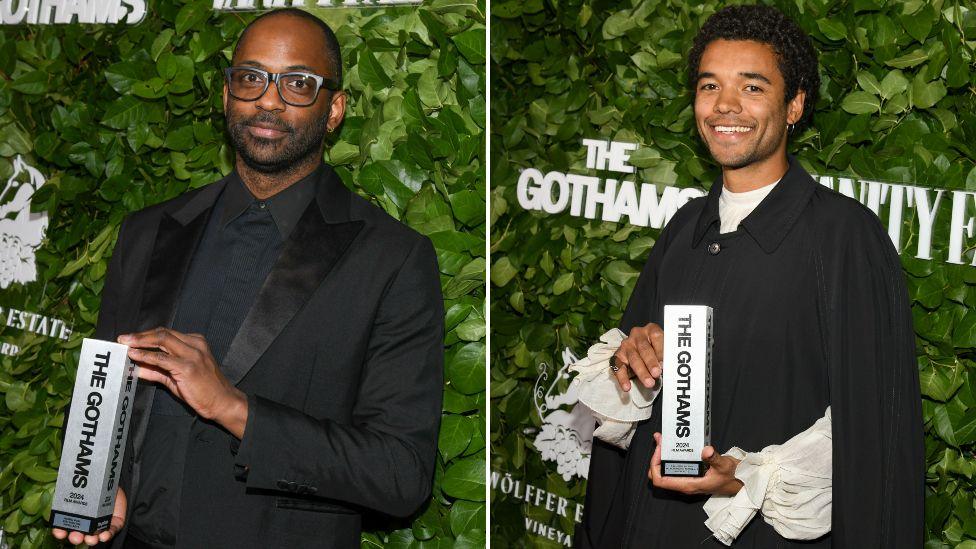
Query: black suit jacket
x=341 y=358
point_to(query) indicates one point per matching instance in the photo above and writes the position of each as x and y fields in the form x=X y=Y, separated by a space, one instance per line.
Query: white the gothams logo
x=566 y=437
x=21 y=231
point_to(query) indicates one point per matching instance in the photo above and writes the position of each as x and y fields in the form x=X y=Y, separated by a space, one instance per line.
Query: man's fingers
x=649 y=357
x=147 y=373
x=655 y=471
x=158 y=338
x=709 y=454
x=623 y=371
x=148 y=338
x=639 y=368
x=59 y=533
x=656 y=458
x=106 y=535
x=656 y=337
x=163 y=361
x=76 y=538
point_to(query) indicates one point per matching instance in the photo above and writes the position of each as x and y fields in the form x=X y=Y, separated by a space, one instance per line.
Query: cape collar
x=773 y=218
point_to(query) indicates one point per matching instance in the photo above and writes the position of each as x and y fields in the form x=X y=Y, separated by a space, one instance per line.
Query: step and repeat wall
x=593 y=149
x=107 y=106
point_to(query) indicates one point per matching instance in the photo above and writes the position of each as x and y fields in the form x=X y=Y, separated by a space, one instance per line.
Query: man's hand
x=118 y=520
x=184 y=365
x=719 y=478
x=640 y=356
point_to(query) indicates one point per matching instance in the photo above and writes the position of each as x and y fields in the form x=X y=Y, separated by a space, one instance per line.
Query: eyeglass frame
x=321 y=82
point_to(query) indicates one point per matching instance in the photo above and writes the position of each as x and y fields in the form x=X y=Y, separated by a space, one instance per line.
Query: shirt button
x=262 y=205
x=714 y=248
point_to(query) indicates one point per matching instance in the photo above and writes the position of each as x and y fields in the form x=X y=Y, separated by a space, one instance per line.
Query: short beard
x=758 y=154
x=301 y=146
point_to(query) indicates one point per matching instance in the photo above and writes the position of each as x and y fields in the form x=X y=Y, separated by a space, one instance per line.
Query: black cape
x=811 y=310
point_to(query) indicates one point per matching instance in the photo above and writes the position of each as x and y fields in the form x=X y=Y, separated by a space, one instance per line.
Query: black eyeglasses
x=299 y=89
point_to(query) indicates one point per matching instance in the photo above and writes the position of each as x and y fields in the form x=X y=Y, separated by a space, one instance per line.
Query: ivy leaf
x=121 y=76
x=861 y=102
x=465 y=479
x=466 y=368
x=563 y=284
x=191 y=15
x=20 y=397
x=471 y=539
x=927 y=94
x=468 y=206
x=620 y=272
x=502 y=272
x=466 y=515
x=618 y=24
x=833 y=29
x=893 y=83
x=34 y=82
x=869 y=83
x=41 y=474
x=161 y=43
x=371 y=72
x=914 y=57
x=939 y=380
x=124 y=113
x=455 y=436
x=919 y=24
x=471 y=44
x=964 y=335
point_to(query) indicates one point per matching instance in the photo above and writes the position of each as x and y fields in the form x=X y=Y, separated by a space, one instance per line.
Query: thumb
x=709 y=455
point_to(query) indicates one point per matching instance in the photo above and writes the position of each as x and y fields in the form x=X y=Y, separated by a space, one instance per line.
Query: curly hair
x=796 y=58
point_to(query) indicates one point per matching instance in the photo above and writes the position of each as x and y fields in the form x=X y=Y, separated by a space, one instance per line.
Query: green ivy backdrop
x=119 y=117
x=897 y=104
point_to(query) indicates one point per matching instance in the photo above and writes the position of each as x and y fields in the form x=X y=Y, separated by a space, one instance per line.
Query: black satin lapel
x=311 y=251
x=172 y=252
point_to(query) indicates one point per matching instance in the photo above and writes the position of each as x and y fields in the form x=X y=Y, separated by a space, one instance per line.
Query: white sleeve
x=789 y=483
x=617 y=411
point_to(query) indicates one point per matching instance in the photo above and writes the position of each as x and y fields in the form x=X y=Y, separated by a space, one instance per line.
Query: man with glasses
x=289 y=333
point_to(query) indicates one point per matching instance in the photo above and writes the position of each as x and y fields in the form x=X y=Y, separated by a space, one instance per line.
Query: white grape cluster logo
x=21 y=231
x=566 y=437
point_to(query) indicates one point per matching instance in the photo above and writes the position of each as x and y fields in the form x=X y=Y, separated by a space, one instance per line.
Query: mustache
x=267 y=119
x=726 y=122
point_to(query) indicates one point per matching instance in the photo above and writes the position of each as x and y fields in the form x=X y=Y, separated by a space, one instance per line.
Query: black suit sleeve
x=384 y=459
x=878 y=448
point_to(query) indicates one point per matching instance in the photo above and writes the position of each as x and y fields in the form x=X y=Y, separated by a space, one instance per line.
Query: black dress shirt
x=242 y=240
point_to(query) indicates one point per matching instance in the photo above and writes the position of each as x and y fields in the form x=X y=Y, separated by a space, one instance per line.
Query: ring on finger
x=614 y=367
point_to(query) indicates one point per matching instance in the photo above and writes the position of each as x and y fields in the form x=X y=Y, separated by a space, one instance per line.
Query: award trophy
x=687 y=379
x=95 y=437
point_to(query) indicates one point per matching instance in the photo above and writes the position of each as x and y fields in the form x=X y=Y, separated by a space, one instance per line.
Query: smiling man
x=290 y=333
x=814 y=370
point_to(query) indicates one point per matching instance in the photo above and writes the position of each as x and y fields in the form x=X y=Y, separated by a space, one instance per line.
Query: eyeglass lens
x=247 y=85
